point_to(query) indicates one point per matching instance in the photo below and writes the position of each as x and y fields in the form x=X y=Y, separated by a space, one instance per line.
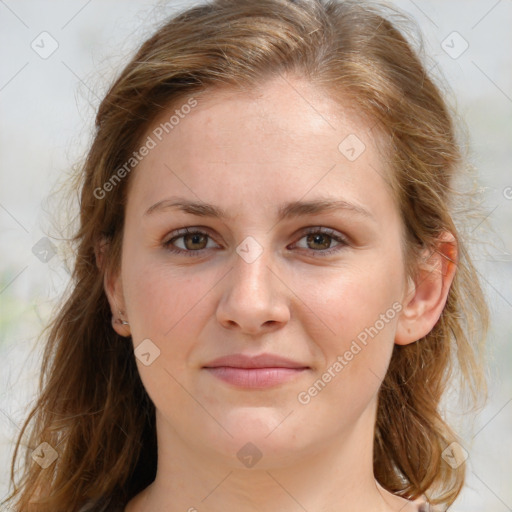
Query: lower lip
x=255 y=377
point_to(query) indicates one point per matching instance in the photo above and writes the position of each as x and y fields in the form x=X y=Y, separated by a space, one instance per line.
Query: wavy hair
x=92 y=407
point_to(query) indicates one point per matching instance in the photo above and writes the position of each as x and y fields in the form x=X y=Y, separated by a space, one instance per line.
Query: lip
x=261 y=371
x=259 y=361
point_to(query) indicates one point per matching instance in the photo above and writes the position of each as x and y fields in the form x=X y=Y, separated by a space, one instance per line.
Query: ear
x=426 y=296
x=113 y=286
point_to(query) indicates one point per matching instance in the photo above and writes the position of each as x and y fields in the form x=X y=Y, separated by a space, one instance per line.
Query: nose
x=254 y=299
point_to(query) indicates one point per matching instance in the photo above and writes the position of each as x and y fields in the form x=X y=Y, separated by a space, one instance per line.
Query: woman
x=270 y=291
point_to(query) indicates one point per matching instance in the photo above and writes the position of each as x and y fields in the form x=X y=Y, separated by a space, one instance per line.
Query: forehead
x=253 y=147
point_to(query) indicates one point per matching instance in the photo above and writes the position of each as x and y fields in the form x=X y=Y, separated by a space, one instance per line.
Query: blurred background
x=57 y=60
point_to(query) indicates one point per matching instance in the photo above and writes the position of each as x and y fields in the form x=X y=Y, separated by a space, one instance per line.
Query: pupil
x=316 y=239
x=195 y=238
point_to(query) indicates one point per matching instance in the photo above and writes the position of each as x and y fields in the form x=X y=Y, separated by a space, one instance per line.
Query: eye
x=193 y=241
x=319 y=240
x=188 y=241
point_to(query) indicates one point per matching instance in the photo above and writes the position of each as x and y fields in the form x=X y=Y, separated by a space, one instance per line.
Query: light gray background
x=46 y=114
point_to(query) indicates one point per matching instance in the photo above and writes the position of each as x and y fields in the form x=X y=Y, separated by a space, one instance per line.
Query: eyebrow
x=286 y=211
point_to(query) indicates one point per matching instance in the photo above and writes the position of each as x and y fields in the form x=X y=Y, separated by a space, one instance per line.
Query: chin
x=260 y=438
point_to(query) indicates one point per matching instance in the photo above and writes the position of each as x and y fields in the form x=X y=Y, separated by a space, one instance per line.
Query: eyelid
x=325 y=230
x=339 y=237
x=188 y=230
x=178 y=233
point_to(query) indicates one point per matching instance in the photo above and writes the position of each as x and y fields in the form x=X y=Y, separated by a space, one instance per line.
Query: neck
x=337 y=475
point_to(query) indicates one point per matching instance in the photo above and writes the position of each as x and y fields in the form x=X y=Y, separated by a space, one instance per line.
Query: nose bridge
x=251 y=277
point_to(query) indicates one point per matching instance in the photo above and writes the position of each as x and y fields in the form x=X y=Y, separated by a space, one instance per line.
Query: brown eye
x=320 y=240
x=189 y=243
x=195 y=241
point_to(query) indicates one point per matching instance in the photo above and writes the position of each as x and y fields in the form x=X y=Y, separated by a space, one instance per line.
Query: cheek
x=352 y=318
x=164 y=302
x=168 y=307
x=161 y=302
x=361 y=308
x=346 y=301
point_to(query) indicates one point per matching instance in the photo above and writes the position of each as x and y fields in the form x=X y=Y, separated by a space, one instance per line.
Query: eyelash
x=342 y=241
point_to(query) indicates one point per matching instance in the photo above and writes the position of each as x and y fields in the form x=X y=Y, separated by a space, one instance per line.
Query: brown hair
x=92 y=407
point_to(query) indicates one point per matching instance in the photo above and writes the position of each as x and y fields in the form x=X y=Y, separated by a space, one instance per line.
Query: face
x=261 y=318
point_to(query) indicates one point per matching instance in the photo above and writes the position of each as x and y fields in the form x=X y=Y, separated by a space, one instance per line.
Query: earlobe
x=426 y=295
x=114 y=290
x=112 y=285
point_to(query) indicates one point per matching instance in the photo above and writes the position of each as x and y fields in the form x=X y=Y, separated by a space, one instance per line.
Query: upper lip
x=258 y=361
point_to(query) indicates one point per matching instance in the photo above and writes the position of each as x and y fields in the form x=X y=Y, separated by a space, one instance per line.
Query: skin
x=247 y=153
